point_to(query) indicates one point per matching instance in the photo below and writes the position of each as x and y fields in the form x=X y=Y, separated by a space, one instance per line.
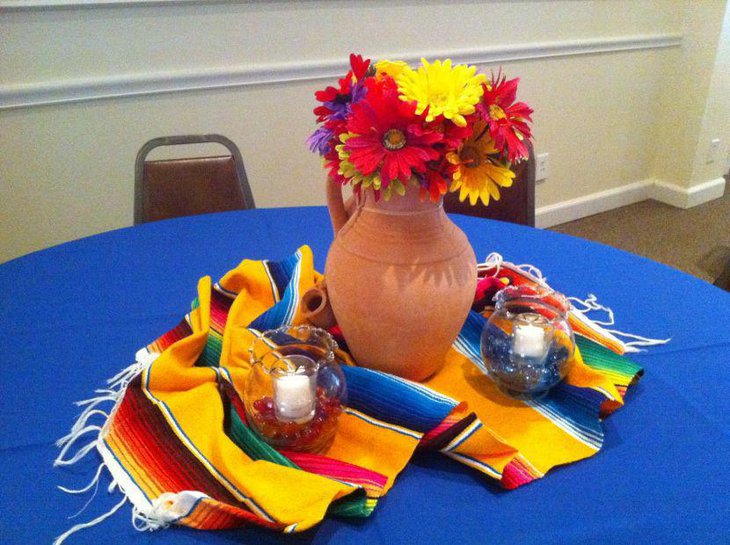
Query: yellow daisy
x=390 y=68
x=478 y=174
x=451 y=91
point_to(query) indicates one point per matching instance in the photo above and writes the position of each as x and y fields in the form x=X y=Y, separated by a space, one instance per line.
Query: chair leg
x=723 y=281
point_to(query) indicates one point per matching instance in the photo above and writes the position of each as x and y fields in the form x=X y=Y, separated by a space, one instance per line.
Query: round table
x=75 y=314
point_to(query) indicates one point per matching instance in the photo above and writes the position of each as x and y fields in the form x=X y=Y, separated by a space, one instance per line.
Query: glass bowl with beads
x=527 y=343
x=295 y=390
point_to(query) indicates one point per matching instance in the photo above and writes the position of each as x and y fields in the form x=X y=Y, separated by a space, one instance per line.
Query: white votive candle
x=295 y=392
x=528 y=340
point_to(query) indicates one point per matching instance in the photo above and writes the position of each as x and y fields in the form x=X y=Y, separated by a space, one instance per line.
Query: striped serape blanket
x=177 y=445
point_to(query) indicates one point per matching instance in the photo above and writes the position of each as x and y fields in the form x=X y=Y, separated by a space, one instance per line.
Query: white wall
x=83 y=87
x=716 y=115
x=695 y=101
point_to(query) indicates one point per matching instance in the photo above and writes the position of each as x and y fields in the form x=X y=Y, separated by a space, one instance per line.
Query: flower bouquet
x=401 y=276
x=442 y=127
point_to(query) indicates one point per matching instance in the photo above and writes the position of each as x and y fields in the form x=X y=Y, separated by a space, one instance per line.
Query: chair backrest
x=171 y=188
x=516 y=203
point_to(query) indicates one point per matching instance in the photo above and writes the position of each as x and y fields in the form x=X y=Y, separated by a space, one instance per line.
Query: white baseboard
x=595 y=203
x=603 y=201
x=683 y=197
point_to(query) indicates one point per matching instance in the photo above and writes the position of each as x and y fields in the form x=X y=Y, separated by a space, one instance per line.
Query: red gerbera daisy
x=507 y=120
x=358 y=70
x=388 y=136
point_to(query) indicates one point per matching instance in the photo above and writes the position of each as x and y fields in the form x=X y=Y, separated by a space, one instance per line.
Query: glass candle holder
x=527 y=344
x=295 y=390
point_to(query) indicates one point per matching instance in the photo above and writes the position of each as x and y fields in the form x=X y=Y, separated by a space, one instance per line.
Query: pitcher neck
x=409 y=203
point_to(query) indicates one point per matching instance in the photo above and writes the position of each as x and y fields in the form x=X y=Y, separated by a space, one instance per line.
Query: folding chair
x=170 y=188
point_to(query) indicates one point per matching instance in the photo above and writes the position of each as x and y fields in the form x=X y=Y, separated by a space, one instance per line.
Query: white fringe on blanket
x=167 y=509
x=496 y=261
x=116 y=386
x=591 y=304
x=60 y=539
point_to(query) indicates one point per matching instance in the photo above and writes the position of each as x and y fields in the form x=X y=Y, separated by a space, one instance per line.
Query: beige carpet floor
x=696 y=240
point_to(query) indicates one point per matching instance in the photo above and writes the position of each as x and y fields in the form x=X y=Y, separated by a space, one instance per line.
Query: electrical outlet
x=713 y=150
x=542 y=166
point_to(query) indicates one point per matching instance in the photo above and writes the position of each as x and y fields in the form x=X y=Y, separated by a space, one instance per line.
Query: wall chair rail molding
x=49 y=4
x=24 y=95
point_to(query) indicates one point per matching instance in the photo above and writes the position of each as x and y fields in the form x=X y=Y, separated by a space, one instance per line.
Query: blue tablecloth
x=74 y=314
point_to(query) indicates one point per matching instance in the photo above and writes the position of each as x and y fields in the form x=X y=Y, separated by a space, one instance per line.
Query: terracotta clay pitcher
x=401 y=279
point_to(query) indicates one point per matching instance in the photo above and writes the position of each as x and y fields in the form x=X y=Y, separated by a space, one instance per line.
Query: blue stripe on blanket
x=396 y=400
x=286 y=277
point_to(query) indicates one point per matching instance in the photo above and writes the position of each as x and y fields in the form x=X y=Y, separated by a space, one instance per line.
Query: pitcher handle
x=336 y=205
